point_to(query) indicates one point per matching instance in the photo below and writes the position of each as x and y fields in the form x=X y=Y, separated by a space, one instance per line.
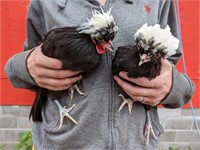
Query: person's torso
x=100 y=126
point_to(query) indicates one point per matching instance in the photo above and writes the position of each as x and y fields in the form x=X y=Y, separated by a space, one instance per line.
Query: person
x=100 y=126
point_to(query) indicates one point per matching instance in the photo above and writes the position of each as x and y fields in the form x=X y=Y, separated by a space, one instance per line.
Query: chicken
x=78 y=48
x=144 y=60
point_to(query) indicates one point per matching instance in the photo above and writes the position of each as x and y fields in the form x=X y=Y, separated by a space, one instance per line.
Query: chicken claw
x=127 y=101
x=149 y=129
x=71 y=91
x=64 y=112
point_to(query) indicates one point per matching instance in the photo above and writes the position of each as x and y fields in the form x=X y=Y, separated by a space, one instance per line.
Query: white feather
x=98 y=21
x=163 y=36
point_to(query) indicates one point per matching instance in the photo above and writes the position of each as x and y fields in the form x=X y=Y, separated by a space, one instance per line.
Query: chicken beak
x=141 y=62
x=143 y=59
x=109 y=46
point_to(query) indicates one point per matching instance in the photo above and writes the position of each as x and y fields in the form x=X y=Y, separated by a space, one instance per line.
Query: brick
x=167 y=136
x=187 y=136
x=163 y=112
x=188 y=112
x=162 y=122
x=195 y=146
x=23 y=123
x=8 y=146
x=0 y=110
x=12 y=135
x=198 y=123
x=1 y=136
x=16 y=110
x=195 y=126
x=8 y=121
x=180 y=123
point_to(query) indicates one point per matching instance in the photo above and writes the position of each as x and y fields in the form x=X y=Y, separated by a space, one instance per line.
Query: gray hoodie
x=100 y=126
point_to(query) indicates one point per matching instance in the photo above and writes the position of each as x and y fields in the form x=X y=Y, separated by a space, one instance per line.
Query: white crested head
x=157 y=40
x=102 y=29
x=99 y=22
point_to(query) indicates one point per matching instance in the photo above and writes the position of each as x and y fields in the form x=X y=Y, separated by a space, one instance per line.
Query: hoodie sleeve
x=181 y=91
x=15 y=67
x=183 y=87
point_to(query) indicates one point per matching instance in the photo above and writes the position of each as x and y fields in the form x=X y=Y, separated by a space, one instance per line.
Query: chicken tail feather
x=36 y=109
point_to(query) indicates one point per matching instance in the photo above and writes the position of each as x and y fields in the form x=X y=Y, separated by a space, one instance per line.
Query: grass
x=25 y=141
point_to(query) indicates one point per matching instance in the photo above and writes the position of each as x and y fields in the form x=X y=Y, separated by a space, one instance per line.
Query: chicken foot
x=64 y=112
x=127 y=101
x=148 y=128
x=71 y=91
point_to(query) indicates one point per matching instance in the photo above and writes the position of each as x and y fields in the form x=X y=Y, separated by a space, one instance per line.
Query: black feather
x=41 y=95
x=76 y=51
x=127 y=59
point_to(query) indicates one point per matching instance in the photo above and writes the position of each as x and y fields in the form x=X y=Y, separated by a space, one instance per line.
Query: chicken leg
x=127 y=101
x=71 y=91
x=148 y=127
x=64 y=112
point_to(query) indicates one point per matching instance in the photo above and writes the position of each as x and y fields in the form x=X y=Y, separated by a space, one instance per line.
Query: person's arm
x=16 y=68
x=48 y=73
x=182 y=88
x=170 y=88
x=30 y=69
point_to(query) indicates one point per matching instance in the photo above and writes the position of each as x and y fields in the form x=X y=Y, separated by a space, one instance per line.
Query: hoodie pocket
x=91 y=115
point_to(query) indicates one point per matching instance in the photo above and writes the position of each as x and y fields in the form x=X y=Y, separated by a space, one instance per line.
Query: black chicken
x=78 y=48
x=144 y=60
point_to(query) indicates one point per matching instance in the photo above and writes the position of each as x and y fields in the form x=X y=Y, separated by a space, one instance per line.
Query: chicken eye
x=106 y=37
x=111 y=36
x=149 y=56
x=100 y=39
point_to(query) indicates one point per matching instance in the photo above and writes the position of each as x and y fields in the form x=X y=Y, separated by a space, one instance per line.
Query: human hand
x=48 y=73
x=150 y=92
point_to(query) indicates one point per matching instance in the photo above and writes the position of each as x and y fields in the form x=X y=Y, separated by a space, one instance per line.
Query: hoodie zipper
x=111 y=107
x=111 y=111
